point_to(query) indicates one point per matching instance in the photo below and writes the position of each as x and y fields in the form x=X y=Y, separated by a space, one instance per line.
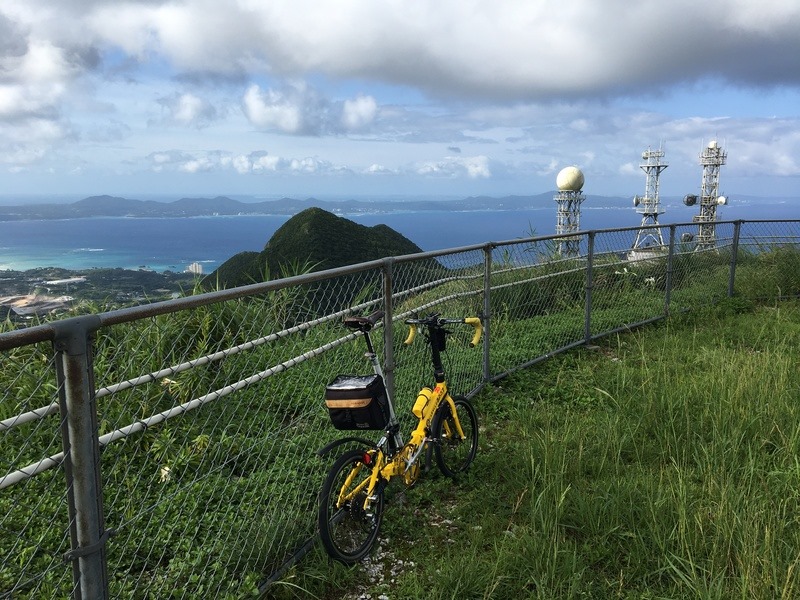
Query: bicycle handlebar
x=478 y=326
x=439 y=322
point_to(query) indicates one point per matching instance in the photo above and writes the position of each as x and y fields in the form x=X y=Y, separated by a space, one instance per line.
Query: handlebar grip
x=412 y=333
x=476 y=323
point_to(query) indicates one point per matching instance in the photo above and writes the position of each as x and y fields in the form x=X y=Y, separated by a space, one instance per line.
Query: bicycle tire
x=347 y=532
x=453 y=454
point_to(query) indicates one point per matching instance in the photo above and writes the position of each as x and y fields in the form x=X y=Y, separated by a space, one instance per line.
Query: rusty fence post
x=75 y=378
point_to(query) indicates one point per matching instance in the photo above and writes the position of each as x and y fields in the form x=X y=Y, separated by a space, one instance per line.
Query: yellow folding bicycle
x=351 y=501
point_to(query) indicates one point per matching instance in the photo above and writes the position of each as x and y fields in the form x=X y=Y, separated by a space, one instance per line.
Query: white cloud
x=453 y=47
x=241 y=164
x=449 y=47
x=161 y=158
x=268 y=163
x=189 y=109
x=376 y=169
x=19 y=156
x=517 y=87
x=196 y=165
x=300 y=109
x=254 y=162
x=477 y=166
x=359 y=113
x=308 y=165
x=757 y=147
x=272 y=110
x=474 y=167
x=552 y=166
x=470 y=168
x=34 y=83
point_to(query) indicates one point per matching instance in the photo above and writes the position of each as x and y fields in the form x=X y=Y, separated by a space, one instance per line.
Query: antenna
x=649 y=241
x=711 y=159
x=569 y=198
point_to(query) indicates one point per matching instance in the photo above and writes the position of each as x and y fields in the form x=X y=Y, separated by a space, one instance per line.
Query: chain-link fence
x=169 y=450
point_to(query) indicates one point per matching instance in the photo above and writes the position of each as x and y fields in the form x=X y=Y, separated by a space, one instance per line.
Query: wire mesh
x=767 y=263
x=209 y=418
x=453 y=287
x=536 y=294
x=215 y=498
x=627 y=287
x=34 y=520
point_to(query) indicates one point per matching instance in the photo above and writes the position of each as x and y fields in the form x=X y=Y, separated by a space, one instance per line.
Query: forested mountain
x=313 y=239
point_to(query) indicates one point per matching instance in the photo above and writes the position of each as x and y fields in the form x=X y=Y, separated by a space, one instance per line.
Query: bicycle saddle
x=364 y=323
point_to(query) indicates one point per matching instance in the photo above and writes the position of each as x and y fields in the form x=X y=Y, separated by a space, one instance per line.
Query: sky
x=368 y=98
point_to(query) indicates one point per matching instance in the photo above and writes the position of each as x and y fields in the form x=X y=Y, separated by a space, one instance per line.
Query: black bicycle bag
x=357 y=402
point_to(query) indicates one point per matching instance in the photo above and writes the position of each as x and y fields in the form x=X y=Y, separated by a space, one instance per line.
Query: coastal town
x=38 y=293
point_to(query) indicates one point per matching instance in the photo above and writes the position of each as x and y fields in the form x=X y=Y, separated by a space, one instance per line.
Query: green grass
x=661 y=464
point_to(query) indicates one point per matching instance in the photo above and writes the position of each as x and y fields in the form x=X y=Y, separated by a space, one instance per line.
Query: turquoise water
x=174 y=243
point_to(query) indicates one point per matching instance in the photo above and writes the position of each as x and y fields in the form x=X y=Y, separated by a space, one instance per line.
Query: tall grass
x=662 y=464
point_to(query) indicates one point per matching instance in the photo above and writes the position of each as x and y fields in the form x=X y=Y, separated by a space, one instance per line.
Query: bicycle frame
x=390 y=457
x=351 y=500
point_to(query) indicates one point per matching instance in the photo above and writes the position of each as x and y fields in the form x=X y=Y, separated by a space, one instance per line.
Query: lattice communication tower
x=711 y=159
x=569 y=198
x=650 y=239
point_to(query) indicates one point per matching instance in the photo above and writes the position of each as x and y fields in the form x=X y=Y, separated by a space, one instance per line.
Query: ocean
x=162 y=244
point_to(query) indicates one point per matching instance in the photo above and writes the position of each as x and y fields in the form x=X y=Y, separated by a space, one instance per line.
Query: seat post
x=368 y=341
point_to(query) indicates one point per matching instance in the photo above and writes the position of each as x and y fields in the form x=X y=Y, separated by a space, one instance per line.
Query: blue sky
x=359 y=98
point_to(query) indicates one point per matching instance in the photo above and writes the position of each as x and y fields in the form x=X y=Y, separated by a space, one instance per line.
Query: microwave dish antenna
x=711 y=159
x=649 y=239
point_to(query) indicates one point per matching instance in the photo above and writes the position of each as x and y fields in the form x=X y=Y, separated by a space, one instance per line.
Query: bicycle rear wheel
x=347 y=530
x=455 y=454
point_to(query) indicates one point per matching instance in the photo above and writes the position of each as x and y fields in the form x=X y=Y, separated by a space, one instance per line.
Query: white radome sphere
x=570 y=179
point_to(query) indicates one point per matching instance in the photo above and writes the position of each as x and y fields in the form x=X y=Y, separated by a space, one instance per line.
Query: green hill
x=317 y=239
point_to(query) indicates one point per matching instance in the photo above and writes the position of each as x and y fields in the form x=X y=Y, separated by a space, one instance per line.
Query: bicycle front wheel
x=454 y=454
x=348 y=531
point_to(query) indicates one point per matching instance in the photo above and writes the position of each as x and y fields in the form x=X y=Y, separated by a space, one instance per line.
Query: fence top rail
x=52 y=331
x=589 y=232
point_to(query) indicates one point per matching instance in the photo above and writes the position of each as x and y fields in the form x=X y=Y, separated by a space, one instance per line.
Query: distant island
x=113 y=206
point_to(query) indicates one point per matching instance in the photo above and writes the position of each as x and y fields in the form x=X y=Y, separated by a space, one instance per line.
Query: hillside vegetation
x=660 y=464
x=657 y=464
x=312 y=240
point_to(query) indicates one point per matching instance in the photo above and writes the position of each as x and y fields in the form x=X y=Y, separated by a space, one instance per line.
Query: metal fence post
x=487 y=309
x=587 y=328
x=388 y=330
x=670 y=262
x=81 y=455
x=734 y=252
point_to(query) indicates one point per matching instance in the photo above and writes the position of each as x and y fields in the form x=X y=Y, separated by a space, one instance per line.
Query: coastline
x=40 y=291
x=175 y=243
